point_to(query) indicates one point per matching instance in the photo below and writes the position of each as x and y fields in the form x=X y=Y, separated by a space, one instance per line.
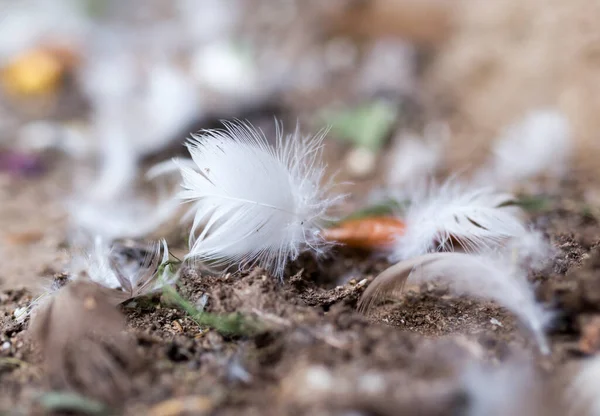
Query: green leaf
x=367 y=125
x=11 y=362
x=95 y=8
x=387 y=207
x=531 y=203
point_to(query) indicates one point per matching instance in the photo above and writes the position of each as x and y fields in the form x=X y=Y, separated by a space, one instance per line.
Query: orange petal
x=366 y=233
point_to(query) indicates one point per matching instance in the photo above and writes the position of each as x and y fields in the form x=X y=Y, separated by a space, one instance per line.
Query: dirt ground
x=316 y=354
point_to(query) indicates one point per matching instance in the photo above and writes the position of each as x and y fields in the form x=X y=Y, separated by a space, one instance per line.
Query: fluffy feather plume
x=83 y=342
x=474 y=219
x=583 y=394
x=255 y=204
x=540 y=144
x=123 y=98
x=414 y=158
x=513 y=388
x=127 y=217
x=490 y=276
x=125 y=272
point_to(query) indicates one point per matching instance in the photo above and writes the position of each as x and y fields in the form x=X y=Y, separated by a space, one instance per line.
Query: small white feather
x=513 y=388
x=125 y=278
x=163 y=100
x=477 y=219
x=491 y=276
x=539 y=145
x=255 y=204
x=415 y=158
x=583 y=393
x=125 y=218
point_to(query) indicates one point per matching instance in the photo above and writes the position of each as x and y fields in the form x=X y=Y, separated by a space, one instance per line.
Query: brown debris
x=589 y=343
x=421 y=21
x=24 y=237
x=197 y=405
x=81 y=335
x=370 y=233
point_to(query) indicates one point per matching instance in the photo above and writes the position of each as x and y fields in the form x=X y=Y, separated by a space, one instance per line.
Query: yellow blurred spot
x=196 y=405
x=35 y=72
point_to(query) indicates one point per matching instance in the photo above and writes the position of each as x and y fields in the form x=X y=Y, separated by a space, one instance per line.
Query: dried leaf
x=589 y=343
x=366 y=233
x=426 y=22
x=197 y=405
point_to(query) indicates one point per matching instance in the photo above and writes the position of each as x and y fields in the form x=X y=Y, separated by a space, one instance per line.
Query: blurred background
x=81 y=76
x=92 y=93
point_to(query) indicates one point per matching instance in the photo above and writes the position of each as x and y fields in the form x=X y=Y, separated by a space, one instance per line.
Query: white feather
x=27 y=23
x=170 y=103
x=95 y=265
x=513 y=388
x=162 y=99
x=256 y=205
x=125 y=278
x=583 y=394
x=415 y=158
x=125 y=218
x=533 y=250
x=540 y=144
x=475 y=218
x=491 y=276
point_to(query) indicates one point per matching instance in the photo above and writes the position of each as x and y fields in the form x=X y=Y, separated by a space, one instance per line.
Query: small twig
x=56 y=401
x=13 y=361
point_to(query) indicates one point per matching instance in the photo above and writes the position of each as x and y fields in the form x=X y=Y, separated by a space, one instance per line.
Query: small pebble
x=318 y=378
x=20 y=313
x=496 y=322
x=371 y=383
x=361 y=162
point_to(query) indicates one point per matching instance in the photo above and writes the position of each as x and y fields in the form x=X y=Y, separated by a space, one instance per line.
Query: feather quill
x=476 y=219
x=255 y=204
x=489 y=276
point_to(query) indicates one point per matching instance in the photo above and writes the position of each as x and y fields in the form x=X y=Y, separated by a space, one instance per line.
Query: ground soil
x=317 y=354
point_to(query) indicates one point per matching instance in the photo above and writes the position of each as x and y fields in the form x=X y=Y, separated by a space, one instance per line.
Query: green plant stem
x=228 y=324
